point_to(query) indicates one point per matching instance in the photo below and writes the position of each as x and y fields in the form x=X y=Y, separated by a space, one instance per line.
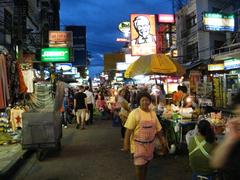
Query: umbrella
x=155 y=64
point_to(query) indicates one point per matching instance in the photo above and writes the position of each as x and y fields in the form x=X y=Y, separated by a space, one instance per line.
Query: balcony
x=226 y=52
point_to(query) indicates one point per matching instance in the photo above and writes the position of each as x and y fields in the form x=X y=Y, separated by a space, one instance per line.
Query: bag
x=87 y=116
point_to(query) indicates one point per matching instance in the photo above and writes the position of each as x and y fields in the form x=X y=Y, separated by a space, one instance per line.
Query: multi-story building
x=194 y=43
x=6 y=20
x=24 y=24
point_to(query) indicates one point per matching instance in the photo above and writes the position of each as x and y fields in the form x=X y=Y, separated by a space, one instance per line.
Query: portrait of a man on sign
x=143 y=35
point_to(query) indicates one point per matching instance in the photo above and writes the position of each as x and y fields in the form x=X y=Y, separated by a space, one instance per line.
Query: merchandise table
x=175 y=130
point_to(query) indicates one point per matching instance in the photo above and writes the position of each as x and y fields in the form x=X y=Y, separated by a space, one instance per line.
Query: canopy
x=154 y=64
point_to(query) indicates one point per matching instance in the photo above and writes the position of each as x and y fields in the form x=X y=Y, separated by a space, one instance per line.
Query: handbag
x=87 y=116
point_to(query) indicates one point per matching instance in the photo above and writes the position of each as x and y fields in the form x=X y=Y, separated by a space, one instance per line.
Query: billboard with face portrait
x=143 y=34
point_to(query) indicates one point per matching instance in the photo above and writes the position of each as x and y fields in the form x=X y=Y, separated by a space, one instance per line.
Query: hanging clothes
x=4 y=90
x=13 y=79
x=22 y=86
x=28 y=77
x=16 y=117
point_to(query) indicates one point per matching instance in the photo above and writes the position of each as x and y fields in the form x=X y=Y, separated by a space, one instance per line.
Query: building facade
x=24 y=24
x=194 y=43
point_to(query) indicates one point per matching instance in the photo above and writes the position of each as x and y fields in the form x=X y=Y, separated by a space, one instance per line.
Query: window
x=192 y=52
x=191 y=20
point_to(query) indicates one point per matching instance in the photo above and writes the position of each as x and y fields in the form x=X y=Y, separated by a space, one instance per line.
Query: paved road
x=94 y=154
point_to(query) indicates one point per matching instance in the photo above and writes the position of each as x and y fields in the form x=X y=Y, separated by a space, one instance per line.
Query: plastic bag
x=87 y=116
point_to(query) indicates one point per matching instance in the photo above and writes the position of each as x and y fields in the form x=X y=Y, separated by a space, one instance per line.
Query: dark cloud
x=101 y=17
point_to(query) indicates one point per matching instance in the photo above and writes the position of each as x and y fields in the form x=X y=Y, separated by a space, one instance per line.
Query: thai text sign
x=215 y=67
x=218 y=22
x=57 y=38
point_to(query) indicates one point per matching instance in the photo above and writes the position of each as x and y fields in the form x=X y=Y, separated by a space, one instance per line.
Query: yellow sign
x=215 y=67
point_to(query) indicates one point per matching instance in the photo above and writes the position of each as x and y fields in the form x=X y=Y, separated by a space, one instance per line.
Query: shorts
x=81 y=113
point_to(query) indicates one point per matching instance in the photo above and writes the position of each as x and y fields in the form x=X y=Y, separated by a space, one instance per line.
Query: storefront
x=226 y=81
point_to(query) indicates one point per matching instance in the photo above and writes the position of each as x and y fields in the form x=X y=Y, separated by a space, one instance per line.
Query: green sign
x=55 y=55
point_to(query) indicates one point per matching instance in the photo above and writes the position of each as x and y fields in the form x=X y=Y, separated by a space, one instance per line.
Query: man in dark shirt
x=80 y=107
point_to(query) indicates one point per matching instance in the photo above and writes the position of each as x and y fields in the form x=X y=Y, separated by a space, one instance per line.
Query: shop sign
x=122 y=40
x=143 y=34
x=121 y=66
x=124 y=27
x=60 y=36
x=218 y=22
x=215 y=67
x=72 y=71
x=232 y=63
x=63 y=67
x=55 y=55
x=166 y=18
x=129 y=59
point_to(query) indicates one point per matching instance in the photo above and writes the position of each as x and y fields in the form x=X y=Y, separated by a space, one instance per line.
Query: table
x=178 y=135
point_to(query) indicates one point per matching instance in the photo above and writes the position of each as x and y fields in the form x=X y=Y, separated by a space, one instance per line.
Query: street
x=94 y=154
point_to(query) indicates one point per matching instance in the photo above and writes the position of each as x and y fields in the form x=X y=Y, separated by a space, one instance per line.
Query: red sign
x=166 y=18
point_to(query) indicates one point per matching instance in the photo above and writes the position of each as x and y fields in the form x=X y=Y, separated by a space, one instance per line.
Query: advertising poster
x=143 y=34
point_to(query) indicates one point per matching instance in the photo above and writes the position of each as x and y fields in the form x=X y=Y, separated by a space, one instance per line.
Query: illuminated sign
x=73 y=71
x=122 y=40
x=63 y=67
x=231 y=64
x=166 y=18
x=55 y=54
x=218 y=22
x=143 y=34
x=124 y=26
x=60 y=38
x=215 y=67
x=122 y=66
x=130 y=59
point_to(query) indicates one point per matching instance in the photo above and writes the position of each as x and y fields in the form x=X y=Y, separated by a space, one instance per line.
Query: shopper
x=200 y=149
x=101 y=106
x=226 y=156
x=90 y=103
x=177 y=96
x=64 y=112
x=80 y=107
x=142 y=126
x=125 y=109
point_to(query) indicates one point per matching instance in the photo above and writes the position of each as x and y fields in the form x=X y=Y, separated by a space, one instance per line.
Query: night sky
x=102 y=17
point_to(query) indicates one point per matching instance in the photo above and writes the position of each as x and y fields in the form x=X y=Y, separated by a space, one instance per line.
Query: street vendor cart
x=41 y=131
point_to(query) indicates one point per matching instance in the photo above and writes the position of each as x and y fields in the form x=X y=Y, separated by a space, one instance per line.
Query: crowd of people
x=138 y=111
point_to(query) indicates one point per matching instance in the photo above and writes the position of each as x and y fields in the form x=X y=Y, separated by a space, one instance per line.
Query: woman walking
x=142 y=127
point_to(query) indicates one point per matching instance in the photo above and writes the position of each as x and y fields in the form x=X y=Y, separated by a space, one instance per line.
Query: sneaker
x=83 y=128
x=77 y=127
x=65 y=127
